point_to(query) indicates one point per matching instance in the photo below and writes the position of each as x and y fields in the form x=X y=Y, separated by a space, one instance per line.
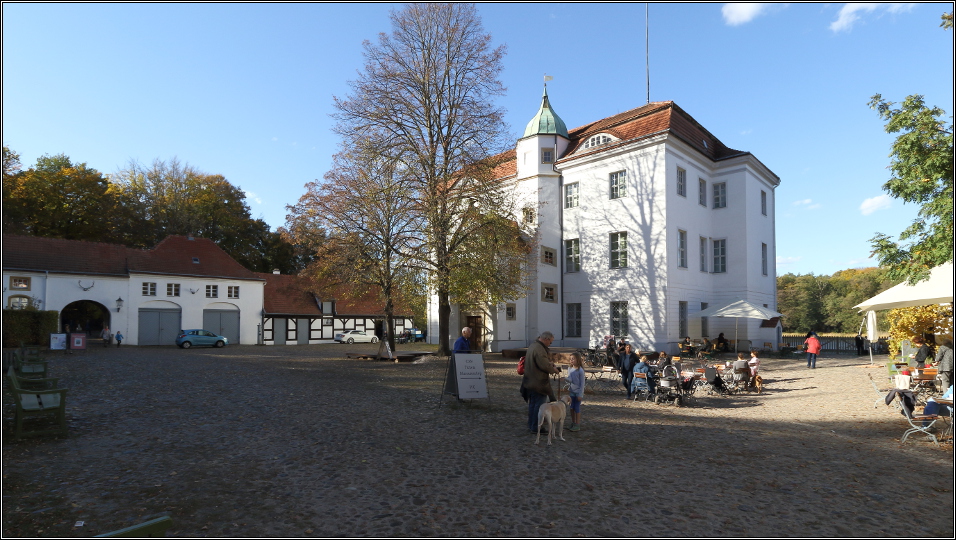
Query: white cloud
x=880 y=202
x=785 y=261
x=253 y=196
x=807 y=204
x=736 y=14
x=850 y=13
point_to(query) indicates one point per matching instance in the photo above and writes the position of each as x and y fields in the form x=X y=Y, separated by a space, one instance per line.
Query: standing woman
x=628 y=361
x=922 y=353
x=944 y=363
x=812 y=345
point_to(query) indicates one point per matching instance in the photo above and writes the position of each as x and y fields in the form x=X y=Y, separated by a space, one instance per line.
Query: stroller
x=669 y=387
x=714 y=383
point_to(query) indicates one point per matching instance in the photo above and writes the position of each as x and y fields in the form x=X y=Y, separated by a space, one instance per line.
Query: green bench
x=33 y=403
x=27 y=368
x=149 y=529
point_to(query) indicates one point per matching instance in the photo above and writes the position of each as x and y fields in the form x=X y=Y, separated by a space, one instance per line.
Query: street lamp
x=119 y=304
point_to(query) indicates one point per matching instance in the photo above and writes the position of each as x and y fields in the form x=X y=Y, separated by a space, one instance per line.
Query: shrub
x=28 y=326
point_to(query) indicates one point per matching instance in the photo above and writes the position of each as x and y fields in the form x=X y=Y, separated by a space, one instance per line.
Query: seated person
x=707 y=346
x=643 y=367
x=686 y=346
x=741 y=368
x=722 y=344
x=663 y=360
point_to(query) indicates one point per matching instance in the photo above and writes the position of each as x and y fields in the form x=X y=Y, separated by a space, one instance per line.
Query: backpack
x=521 y=366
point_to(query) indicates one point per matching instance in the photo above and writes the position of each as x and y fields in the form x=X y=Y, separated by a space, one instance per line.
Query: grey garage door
x=159 y=326
x=222 y=322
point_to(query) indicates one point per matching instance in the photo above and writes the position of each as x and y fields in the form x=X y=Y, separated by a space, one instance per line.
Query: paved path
x=298 y=441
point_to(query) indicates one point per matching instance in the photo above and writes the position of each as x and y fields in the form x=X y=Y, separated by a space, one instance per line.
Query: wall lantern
x=119 y=304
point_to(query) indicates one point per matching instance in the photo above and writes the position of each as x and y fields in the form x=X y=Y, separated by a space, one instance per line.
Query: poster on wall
x=57 y=342
x=77 y=341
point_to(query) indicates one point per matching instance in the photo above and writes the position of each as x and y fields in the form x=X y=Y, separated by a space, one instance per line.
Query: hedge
x=28 y=326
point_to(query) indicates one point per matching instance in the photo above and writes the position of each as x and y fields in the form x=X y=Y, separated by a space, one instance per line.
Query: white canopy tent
x=737 y=309
x=938 y=289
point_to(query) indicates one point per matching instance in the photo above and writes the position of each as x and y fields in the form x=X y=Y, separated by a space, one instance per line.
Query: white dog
x=553 y=413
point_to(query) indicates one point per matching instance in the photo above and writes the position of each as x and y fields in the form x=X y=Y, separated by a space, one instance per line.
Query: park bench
x=148 y=529
x=28 y=368
x=48 y=403
x=29 y=353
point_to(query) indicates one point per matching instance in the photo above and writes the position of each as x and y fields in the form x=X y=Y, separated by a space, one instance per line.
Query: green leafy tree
x=921 y=163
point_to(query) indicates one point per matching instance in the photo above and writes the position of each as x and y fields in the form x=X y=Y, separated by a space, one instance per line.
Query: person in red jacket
x=812 y=345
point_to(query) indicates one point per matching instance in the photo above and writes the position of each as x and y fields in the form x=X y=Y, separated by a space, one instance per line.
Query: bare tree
x=366 y=208
x=427 y=90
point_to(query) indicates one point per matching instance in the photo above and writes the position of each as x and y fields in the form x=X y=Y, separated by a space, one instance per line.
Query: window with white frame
x=18 y=302
x=682 y=249
x=703 y=254
x=19 y=283
x=172 y=289
x=212 y=291
x=573 y=321
x=549 y=292
x=682 y=319
x=681 y=182
x=511 y=312
x=233 y=291
x=549 y=256
x=528 y=215
x=547 y=155
x=702 y=192
x=763 y=202
x=618 y=250
x=571 y=198
x=720 y=256
x=763 y=258
x=618 y=184
x=619 y=319
x=597 y=140
x=149 y=289
x=572 y=255
x=720 y=195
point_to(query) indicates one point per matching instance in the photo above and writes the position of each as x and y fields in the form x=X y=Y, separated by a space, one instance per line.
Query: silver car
x=355 y=336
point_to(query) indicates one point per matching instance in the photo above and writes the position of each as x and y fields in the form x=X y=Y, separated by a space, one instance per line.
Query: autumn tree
x=426 y=91
x=921 y=163
x=826 y=303
x=366 y=206
x=919 y=321
x=57 y=198
x=173 y=198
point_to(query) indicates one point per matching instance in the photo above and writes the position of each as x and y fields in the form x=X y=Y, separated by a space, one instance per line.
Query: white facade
x=685 y=250
x=55 y=291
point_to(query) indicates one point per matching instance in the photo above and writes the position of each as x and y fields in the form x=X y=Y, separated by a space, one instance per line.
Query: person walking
x=628 y=361
x=536 y=382
x=107 y=337
x=812 y=346
x=859 y=344
x=576 y=389
x=119 y=338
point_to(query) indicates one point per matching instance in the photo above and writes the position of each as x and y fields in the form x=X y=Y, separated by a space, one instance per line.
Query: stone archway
x=85 y=316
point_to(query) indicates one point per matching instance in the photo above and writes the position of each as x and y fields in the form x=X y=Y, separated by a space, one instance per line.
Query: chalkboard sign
x=470 y=376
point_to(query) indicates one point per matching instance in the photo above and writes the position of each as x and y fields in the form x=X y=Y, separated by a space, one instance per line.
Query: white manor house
x=643 y=220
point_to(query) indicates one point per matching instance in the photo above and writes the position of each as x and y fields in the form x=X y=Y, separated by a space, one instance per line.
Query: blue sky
x=245 y=90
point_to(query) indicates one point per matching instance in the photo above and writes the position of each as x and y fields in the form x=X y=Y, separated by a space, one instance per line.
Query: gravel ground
x=300 y=441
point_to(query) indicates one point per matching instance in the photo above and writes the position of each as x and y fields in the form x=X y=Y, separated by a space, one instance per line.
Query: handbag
x=521 y=366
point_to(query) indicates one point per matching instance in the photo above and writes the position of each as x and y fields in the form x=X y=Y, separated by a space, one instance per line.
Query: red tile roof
x=652 y=119
x=293 y=295
x=173 y=256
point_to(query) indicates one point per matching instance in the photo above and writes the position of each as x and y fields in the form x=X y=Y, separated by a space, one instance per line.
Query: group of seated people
x=718 y=345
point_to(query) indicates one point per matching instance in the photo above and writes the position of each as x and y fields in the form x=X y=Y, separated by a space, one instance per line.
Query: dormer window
x=597 y=140
x=195 y=260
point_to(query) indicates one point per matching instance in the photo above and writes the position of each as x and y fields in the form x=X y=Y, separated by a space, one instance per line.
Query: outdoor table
x=607 y=379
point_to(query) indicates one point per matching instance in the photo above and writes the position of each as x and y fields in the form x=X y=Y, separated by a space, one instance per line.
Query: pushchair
x=643 y=386
x=669 y=387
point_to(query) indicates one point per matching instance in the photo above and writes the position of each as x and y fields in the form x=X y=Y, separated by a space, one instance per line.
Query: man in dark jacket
x=537 y=377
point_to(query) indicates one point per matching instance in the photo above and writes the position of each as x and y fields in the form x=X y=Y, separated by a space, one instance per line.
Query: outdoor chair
x=919 y=423
x=881 y=394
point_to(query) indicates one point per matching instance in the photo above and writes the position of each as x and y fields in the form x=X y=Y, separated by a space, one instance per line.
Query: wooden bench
x=30 y=353
x=29 y=368
x=148 y=529
x=29 y=403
